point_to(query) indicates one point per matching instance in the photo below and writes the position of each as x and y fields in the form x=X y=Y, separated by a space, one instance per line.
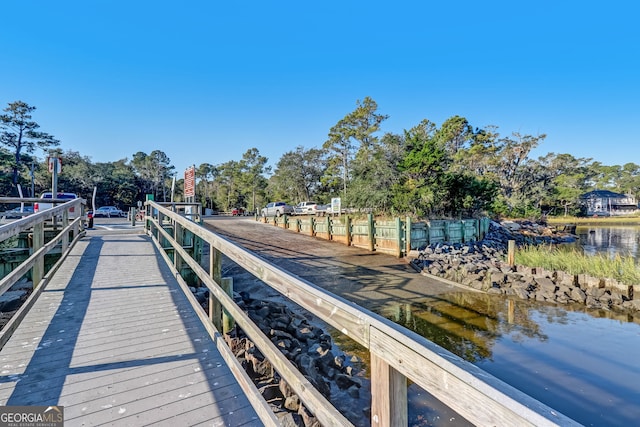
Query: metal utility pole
x=55 y=166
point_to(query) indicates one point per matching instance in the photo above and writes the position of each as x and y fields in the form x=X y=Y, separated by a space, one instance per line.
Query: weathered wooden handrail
x=35 y=262
x=397 y=354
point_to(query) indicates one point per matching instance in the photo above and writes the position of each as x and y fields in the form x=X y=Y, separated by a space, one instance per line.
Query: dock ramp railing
x=47 y=231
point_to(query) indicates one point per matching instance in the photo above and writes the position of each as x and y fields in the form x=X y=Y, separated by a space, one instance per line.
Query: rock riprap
x=311 y=350
x=481 y=265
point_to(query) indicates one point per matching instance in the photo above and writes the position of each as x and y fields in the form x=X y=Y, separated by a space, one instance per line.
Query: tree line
x=452 y=170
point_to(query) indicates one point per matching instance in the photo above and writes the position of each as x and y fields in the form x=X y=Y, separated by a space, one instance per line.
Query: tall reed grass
x=574 y=261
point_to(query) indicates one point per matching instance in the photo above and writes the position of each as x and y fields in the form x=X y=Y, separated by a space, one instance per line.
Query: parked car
x=305 y=208
x=322 y=210
x=238 y=212
x=17 y=213
x=276 y=209
x=108 y=212
x=39 y=207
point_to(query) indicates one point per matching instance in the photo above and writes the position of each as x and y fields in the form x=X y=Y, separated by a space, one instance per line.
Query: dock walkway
x=114 y=340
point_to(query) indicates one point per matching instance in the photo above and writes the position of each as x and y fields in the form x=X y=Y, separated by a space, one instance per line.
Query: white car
x=276 y=209
x=108 y=211
x=305 y=208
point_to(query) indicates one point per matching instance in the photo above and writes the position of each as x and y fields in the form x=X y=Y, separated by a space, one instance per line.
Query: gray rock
x=292 y=403
x=562 y=278
x=545 y=284
x=288 y=419
x=520 y=292
x=307 y=364
x=578 y=295
x=633 y=305
x=12 y=300
x=270 y=392
x=305 y=333
x=285 y=389
x=498 y=278
x=307 y=417
x=591 y=302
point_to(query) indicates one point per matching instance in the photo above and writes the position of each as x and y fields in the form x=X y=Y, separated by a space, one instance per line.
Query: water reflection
x=578 y=361
x=622 y=240
x=465 y=324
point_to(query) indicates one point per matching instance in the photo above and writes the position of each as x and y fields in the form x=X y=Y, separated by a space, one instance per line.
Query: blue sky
x=204 y=81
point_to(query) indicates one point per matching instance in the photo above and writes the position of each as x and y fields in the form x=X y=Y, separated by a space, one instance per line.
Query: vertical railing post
x=160 y=218
x=37 y=271
x=178 y=237
x=400 y=248
x=149 y=215
x=329 y=237
x=388 y=395
x=372 y=243
x=311 y=222
x=227 y=321
x=215 y=271
x=147 y=224
x=407 y=235
x=463 y=233
x=64 y=244
x=197 y=248
x=347 y=227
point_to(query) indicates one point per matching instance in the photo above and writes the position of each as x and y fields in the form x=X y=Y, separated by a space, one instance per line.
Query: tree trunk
x=16 y=167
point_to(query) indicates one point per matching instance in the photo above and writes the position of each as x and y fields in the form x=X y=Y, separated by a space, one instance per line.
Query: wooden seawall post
x=511 y=253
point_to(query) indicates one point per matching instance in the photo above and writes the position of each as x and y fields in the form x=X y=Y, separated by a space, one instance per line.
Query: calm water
x=581 y=363
x=610 y=240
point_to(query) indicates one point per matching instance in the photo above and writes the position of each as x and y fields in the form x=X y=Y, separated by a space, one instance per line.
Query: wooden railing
x=61 y=233
x=396 y=237
x=397 y=354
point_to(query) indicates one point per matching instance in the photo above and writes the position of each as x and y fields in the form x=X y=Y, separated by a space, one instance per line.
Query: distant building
x=608 y=203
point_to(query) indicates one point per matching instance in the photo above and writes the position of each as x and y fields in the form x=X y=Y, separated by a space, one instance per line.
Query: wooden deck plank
x=136 y=398
x=90 y=342
x=113 y=339
x=195 y=397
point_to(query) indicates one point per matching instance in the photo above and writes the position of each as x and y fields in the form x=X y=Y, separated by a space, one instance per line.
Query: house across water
x=608 y=203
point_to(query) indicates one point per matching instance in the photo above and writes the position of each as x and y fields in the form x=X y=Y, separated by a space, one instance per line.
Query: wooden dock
x=114 y=340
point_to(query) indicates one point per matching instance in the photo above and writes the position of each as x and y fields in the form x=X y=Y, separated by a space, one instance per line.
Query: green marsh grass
x=574 y=261
x=602 y=221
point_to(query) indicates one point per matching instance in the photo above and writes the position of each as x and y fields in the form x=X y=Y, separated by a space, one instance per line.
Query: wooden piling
x=511 y=253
